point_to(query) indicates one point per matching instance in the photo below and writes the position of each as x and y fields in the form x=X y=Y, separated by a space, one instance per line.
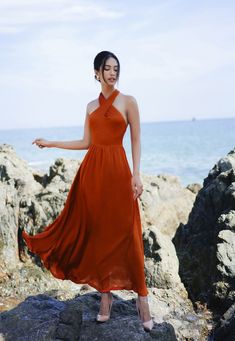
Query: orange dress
x=97 y=238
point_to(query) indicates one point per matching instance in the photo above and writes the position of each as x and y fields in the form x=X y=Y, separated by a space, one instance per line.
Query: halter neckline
x=114 y=92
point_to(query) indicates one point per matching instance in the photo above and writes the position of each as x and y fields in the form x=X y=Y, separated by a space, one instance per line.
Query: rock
x=35 y=319
x=60 y=176
x=194 y=188
x=205 y=245
x=167 y=305
x=28 y=200
x=15 y=172
x=165 y=203
x=8 y=226
x=16 y=181
x=225 y=329
x=226 y=253
x=30 y=279
x=43 y=317
x=161 y=261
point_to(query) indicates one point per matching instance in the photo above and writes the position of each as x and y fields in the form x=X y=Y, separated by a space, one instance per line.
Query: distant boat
x=193 y=118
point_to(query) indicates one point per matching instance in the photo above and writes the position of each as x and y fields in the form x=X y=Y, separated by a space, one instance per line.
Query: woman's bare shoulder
x=92 y=105
x=129 y=100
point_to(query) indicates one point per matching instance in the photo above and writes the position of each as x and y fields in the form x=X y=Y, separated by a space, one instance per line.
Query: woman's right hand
x=41 y=143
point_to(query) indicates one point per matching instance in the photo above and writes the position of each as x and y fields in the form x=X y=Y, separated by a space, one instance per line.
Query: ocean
x=187 y=149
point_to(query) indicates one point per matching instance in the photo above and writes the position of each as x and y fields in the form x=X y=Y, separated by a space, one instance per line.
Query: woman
x=97 y=238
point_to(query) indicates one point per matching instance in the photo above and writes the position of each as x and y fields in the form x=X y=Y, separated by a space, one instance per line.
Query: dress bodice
x=107 y=125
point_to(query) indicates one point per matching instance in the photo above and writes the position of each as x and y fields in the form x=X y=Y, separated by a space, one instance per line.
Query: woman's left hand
x=137 y=186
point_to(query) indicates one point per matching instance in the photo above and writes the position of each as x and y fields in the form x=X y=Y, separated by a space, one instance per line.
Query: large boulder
x=165 y=203
x=28 y=199
x=161 y=262
x=16 y=181
x=225 y=329
x=206 y=244
x=75 y=319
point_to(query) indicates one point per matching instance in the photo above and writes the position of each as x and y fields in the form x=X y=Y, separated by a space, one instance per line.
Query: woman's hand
x=137 y=186
x=41 y=143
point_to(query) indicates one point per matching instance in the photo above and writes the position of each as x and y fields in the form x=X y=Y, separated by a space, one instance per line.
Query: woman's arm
x=134 y=121
x=74 y=145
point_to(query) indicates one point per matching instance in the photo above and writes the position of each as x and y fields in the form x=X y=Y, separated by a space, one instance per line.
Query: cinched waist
x=106 y=145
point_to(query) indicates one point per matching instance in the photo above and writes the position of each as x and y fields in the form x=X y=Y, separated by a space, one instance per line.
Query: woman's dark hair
x=100 y=60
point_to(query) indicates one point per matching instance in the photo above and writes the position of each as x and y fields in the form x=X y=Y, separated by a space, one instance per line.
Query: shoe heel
x=138 y=309
x=148 y=325
x=110 y=306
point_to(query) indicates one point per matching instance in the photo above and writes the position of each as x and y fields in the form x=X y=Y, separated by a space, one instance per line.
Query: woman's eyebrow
x=111 y=65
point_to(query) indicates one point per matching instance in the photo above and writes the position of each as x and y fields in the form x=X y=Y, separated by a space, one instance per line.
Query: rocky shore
x=189 y=242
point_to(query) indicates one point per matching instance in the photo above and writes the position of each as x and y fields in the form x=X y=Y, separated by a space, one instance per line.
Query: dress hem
x=47 y=266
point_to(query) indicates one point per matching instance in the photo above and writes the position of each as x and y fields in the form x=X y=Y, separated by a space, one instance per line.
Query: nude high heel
x=141 y=306
x=104 y=318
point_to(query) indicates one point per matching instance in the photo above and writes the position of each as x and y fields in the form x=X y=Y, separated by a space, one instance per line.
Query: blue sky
x=177 y=58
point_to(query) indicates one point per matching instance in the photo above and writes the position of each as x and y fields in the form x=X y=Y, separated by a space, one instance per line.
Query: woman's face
x=110 y=71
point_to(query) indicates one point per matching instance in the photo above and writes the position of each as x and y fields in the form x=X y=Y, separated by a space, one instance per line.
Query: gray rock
x=195 y=187
x=35 y=319
x=15 y=171
x=161 y=261
x=225 y=329
x=165 y=203
x=28 y=200
x=205 y=245
x=226 y=253
x=44 y=318
x=166 y=305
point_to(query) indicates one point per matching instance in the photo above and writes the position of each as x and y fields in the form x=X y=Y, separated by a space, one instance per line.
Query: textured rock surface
x=16 y=181
x=28 y=199
x=225 y=329
x=205 y=245
x=165 y=203
x=161 y=261
x=43 y=317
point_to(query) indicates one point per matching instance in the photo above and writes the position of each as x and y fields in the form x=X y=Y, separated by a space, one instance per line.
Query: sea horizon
x=184 y=148
x=142 y=122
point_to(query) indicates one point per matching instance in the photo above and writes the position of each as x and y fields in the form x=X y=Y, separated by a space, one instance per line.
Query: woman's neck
x=107 y=90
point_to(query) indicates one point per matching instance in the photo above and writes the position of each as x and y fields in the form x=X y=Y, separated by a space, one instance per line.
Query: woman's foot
x=105 y=307
x=144 y=312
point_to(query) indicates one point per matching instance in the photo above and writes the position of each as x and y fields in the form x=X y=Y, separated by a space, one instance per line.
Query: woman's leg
x=144 y=308
x=105 y=303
